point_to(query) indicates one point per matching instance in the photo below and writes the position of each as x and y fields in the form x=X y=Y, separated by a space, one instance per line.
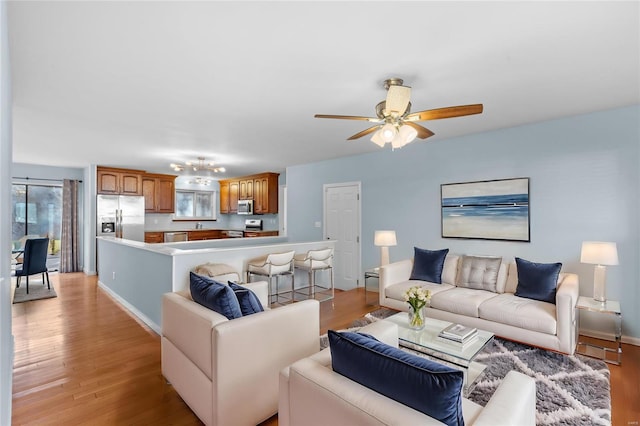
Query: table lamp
x=384 y=240
x=601 y=254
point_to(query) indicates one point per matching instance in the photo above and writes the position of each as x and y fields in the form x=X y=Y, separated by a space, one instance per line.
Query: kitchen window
x=195 y=205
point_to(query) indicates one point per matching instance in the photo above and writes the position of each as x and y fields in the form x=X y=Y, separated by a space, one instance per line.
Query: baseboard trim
x=139 y=316
x=608 y=336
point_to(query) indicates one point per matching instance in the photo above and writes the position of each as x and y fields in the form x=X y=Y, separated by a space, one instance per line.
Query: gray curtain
x=69 y=256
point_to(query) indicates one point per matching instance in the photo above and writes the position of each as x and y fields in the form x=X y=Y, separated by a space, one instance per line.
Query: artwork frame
x=496 y=209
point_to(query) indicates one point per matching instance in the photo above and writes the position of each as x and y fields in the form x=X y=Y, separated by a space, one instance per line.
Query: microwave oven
x=245 y=206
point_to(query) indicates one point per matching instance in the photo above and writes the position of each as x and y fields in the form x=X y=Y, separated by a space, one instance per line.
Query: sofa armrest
x=385 y=331
x=513 y=403
x=394 y=273
x=250 y=352
x=261 y=289
x=566 y=300
x=319 y=397
x=188 y=325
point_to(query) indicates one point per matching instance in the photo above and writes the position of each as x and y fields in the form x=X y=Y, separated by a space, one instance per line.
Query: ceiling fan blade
x=423 y=132
x=349 y=117
x=365 y=132
x=398 y=99
x=448 y=112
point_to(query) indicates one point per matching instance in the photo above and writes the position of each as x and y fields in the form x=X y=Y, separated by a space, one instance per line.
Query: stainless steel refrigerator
x=121 y=216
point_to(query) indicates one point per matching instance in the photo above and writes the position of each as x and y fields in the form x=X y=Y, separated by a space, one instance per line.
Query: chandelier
x=197 y=166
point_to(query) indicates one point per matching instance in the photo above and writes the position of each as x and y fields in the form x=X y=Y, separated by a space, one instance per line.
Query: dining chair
x=34 y=261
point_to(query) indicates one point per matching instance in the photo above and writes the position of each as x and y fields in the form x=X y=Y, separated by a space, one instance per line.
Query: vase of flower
x=416 y=318
x=417 y=297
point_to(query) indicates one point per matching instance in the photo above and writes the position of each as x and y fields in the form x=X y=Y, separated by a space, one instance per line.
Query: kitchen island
x=137 y=274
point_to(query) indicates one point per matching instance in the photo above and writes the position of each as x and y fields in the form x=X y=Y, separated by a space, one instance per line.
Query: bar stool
x=270 y=266
x=312 y=262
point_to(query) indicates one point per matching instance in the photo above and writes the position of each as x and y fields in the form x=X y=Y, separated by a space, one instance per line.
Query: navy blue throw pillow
x=428 y=264
x=215 y=296
x=424 y=385
x=249 y=302
x=537 y=281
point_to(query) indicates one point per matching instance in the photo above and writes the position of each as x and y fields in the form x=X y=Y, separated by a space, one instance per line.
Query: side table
x=610 y=307
x=369 y=275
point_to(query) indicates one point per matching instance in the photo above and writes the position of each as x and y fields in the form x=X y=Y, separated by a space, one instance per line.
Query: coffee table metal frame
x=426 y=342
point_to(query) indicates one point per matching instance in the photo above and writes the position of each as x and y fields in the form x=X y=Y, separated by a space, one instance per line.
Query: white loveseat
x=311 y=394
x=227 y=370
x=516 y=318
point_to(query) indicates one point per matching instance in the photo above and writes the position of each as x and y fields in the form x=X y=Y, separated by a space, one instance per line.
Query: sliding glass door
x=37 y=212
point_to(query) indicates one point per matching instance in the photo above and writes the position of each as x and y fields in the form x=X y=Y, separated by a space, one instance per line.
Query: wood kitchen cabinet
x=154 y=237
x=119 y=181
x=249 y=234
x=246 y=189
x=159 y=193
x=207 y=234
x=234 y=193
x=224 y=197
x=265 y=193
x=261 y=188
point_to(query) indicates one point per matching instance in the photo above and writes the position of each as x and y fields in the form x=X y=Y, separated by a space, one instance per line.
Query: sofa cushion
x=424 y=385
x=520 y=312
x=479 y=272
x=428 y=264
x=450 y=268
x=397 y=291
x=459 y=300
x=215 y=296
x=537 y=281
x=249 y=302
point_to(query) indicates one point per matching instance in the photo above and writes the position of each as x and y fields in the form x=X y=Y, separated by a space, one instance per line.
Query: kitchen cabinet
x=205 y=234
x=261 y=188
x=234 y=193
x=154 y=237
x=224 y=197
x=159 y=193
x=249 y=234
x=119 y=181
x=246 y=189
x=265 y=193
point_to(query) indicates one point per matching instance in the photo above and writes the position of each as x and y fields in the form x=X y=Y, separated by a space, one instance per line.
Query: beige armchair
x=227 y=371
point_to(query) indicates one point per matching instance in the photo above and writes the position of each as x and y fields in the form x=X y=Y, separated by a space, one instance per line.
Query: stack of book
x=459 y=334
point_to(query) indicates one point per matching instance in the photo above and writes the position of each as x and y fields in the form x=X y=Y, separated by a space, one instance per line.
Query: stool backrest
x=322 y=255
x=280 y=262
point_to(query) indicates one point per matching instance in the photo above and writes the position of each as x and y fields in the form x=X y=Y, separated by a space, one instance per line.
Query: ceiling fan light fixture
x=388 y=132
x=408 y=134
x=377 y=139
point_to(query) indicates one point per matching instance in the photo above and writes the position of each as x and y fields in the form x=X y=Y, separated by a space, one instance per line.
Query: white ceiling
x=143 y=84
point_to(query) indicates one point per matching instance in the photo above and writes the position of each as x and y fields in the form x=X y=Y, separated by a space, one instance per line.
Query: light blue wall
x=584 y=185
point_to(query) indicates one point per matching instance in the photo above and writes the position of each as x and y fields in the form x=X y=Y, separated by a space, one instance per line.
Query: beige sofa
x=227 y=371
x=524 y=320
x=312 y=394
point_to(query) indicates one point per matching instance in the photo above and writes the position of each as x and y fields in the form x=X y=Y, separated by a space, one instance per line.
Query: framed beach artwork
x=487 y=210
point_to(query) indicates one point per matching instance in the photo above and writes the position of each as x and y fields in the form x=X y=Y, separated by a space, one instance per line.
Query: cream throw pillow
x=480 y=273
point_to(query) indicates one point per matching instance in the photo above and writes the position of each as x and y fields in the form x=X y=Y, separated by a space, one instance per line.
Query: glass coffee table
x=427 y=342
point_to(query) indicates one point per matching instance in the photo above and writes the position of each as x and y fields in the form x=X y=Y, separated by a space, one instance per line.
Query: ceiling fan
x=395 y=121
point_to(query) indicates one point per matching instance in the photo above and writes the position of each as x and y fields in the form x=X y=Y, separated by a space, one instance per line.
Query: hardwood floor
x=82 y=359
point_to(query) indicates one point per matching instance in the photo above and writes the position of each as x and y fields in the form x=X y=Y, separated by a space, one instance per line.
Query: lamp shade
x=599 y=253
x=385 y=238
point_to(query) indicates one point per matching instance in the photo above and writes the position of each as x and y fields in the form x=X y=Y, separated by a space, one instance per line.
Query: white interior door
x=342 y=224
